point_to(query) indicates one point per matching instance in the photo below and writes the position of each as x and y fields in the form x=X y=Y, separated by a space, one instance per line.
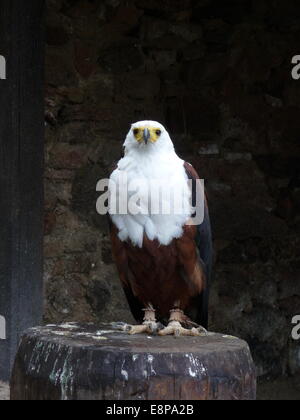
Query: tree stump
x=75 y=362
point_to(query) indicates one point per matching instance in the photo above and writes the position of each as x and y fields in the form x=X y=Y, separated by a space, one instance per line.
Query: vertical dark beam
x=21 y=172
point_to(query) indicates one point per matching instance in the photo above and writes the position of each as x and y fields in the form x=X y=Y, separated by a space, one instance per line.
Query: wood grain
x=97 y=363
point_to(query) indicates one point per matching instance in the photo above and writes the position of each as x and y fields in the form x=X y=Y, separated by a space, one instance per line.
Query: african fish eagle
x=164 y=262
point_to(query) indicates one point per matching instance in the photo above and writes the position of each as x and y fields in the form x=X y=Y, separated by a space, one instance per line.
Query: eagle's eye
x=136 y=131
x=158 y=132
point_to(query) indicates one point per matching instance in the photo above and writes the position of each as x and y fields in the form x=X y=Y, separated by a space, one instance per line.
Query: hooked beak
x=146 y=135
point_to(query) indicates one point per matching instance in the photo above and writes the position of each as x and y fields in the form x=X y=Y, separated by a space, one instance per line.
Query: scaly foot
x=175 y=328
x=149 y=326
x=145 y=328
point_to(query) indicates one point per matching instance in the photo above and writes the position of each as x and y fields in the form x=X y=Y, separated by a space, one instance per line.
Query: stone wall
x=218 y=75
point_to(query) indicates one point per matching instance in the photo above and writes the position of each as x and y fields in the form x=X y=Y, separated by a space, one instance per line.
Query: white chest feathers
x=150 y=195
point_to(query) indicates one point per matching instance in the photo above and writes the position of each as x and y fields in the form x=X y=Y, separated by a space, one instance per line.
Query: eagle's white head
x=147 y=137
x=150 y=160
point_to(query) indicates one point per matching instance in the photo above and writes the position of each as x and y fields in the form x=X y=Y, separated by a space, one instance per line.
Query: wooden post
x=73 y=362
x=21 y=172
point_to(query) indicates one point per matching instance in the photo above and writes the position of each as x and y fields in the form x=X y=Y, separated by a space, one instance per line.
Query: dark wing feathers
x=205 y=247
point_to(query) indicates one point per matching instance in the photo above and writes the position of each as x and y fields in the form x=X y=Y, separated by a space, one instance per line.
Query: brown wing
x=198 y=309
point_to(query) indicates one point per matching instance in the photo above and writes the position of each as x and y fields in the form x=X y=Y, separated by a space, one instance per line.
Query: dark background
x=218 y=75
x=21 y=172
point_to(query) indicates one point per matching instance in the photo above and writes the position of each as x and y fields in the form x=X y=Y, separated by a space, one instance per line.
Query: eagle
x=164 y=262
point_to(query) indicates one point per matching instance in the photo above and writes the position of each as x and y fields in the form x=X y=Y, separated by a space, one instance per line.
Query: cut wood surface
x=76 y=362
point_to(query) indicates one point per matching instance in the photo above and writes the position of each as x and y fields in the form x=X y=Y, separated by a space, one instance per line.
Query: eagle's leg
x=177 y=318
x=149 y=326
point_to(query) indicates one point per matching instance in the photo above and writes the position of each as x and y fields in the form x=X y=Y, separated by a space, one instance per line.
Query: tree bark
x=73 y=362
